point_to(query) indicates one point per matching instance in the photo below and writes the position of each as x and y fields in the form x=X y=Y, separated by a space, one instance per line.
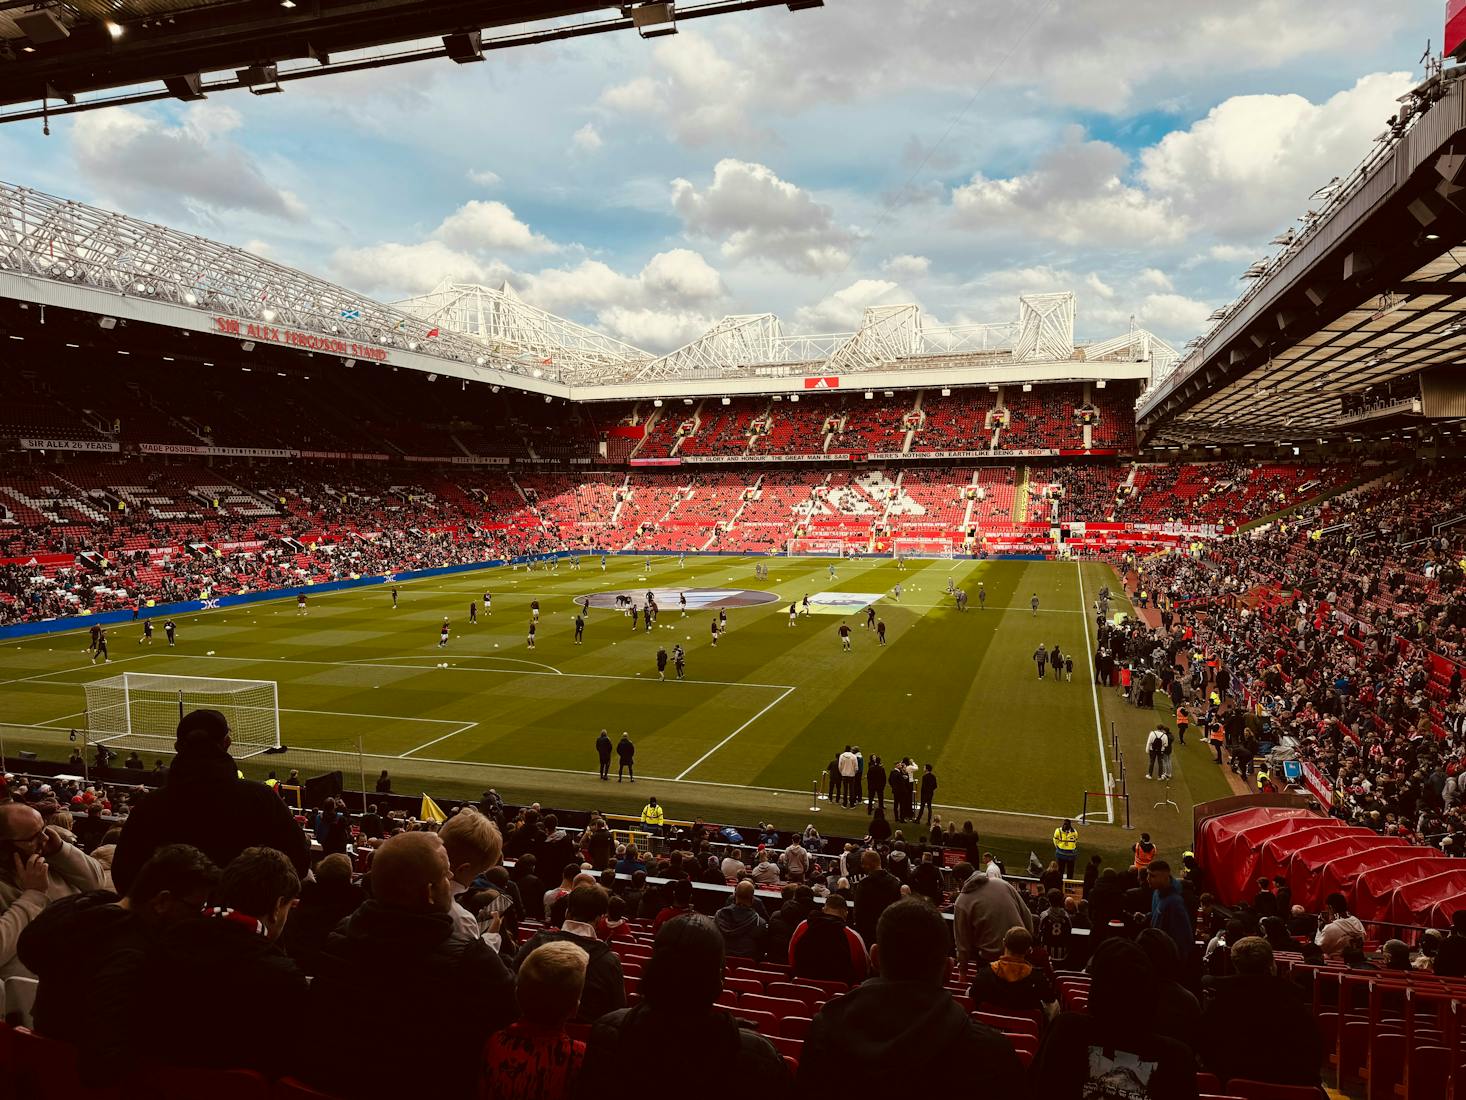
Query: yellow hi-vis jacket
x=652 y=815
x=1066 y=841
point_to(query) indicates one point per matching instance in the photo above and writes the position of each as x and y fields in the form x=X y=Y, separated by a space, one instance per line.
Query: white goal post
x=908 y=547
x=141 y=710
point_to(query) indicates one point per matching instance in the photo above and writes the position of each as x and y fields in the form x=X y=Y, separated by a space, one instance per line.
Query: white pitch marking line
x=736 y=732
x=78 y=668
x=1099 y=733
x=467 y=657
x=498 y=671
x=435 y=740
x=359 y=714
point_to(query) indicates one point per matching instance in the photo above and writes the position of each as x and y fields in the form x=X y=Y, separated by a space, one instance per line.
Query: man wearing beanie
x=207 y=805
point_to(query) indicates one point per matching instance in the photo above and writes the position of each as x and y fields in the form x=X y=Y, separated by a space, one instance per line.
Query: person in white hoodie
x=1336 y=926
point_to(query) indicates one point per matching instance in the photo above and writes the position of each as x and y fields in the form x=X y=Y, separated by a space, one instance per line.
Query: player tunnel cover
x=701 y=599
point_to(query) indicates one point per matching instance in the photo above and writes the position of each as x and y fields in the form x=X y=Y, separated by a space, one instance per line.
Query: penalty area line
x=452 y=733
x=783 y=695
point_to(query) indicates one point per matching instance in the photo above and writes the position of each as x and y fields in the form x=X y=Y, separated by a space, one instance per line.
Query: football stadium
x=948 y=535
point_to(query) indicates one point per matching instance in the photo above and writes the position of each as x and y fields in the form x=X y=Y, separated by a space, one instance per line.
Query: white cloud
x=1154 y=279
x=484 y=178
x=907 y=266
x=682 y=275
x=760 y=217
x=587 y=139
x=842 y=311
x=656 y=330
x=489 y=226
x=699 y=95
x=1077 y=194
x=393 y=270
x=143 y=163
x=1172 y=313
x=727 y=82
x=1242 y=172
x=1099 y=286
x=1251 y=163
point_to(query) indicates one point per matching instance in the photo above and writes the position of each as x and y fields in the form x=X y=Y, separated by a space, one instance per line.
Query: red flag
x=431 y=333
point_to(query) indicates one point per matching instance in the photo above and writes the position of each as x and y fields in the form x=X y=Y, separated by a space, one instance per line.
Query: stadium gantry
x=66 y=254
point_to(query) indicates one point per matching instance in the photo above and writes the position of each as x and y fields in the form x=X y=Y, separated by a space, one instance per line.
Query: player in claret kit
x=472 y=612
x=534 y=610
x=443 y=634
x=300 y=604
x=533 y=626
x=488 y=604
x=715 y=632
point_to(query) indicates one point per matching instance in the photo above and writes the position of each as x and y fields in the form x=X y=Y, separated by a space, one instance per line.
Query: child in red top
x=534 y=1058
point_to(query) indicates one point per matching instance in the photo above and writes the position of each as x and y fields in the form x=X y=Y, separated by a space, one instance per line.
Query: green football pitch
x=746 y=735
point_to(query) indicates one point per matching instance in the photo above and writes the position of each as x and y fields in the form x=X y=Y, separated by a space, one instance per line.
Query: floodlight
x=946 y=391
x=868 y=395
x=114 y=29
x=657 y=403
x=727 y=400
x=107 y=323
x=655 y=20
x=1100 y=384
x=1028 y=387
x=247 y=345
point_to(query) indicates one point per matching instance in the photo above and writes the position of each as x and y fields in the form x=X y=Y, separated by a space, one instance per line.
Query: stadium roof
x=68 y=255
x=1347 y=329
x=84 y=54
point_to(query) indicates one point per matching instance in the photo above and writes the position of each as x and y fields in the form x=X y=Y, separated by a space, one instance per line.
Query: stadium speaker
x=1423 y=211
x=464 y=48
x=187 y=87
x=41 y=27
x=107 y=323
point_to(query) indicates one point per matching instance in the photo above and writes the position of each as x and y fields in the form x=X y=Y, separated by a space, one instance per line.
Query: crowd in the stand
x=1333 y=636
x=196 y=923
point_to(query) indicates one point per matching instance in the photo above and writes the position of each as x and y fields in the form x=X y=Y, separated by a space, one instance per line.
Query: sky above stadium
x=953 y=153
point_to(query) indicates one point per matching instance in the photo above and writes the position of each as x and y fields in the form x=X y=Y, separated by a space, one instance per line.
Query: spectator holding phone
x=37 y=867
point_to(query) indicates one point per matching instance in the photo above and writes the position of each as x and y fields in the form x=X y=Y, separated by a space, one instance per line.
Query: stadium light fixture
x=108 y=323
x=655 y=20
x=267 y=315
x=869 y=395
x=1100 y=384
x=247 y=345
x=946 y=391
x=687 y=401
x=727 y=401
x=794 y=397
x=114 y=29
x=348 y=362
x=657 y=403
x=1028 y=387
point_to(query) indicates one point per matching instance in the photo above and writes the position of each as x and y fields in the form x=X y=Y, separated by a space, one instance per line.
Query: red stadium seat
x=778 y=1006
x=1018 y=1025
x=793 y=1064
x=189 y=1083
x=743 y=985
x=789 y=1047
x=1262 y=1090
x=809 y=994
x=759 y=1020
x=288 y=1088
x=795 y=1027
x=46 y=1069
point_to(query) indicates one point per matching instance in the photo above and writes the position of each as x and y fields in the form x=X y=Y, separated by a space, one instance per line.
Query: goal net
x=923 y=548
x=141 y=710
x=825 y=547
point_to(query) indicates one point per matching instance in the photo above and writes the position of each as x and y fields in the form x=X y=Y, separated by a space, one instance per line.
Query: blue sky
x=954 y=153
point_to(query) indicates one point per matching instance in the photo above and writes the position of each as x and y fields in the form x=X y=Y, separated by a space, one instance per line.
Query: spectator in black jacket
x=605 y=986
x=324 y=904
x=694 y=1040
x=453 y=992
x=1255 y=1001
x=220 y=988
x=876 y=889
x=866 y=1042
x=790 y=915
x=1451 y=962
x=1114 y=1049
x=206 y=804
x=89 y=951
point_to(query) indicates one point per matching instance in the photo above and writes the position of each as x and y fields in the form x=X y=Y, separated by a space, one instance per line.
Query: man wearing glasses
x=36 y=868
